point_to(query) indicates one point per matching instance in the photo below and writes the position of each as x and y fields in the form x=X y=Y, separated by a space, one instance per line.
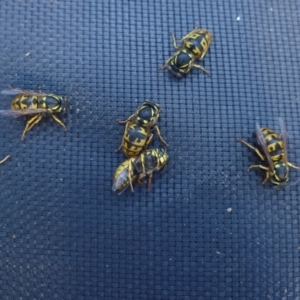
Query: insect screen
x=208 y=229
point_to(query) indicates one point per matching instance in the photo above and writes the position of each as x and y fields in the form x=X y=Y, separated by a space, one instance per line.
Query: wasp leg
x=139 y=180
x=119 y=147
x=258 y=166
x=174 y=41
x=149 y=139
x=30 y=123
x=59 y=121
x=188 y=35
x=143 y=164
x=158 y=165
x=129 y=175
x=127 y=124
x=159 y=134
x=199 y=67
x=4 y=159
x=127 y=120
x=267 y=178
x=150 y=181
x=293 y=166
x=263 y=168
x=166 y=63
x=253 y=148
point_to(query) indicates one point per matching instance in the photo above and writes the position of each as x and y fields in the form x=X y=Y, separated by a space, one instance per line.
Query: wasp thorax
x=179 y=64
x=52 y=102
x=182 y=59
x=148 y=113
x=281 y=172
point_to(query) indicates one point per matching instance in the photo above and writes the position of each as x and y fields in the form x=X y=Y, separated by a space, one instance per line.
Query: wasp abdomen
x=198 y=42
x=24 y=102
x=134 y=140
x=274 y=144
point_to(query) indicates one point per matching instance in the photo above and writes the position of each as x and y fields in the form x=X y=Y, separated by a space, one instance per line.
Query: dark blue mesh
x=208 y=229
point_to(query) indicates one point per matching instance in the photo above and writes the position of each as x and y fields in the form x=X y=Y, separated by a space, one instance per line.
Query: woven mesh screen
x=208 y=229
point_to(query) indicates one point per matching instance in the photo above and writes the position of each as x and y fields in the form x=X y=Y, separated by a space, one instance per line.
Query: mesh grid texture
x=208 y=229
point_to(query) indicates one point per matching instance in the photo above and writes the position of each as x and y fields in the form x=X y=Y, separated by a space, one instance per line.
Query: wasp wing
x=283 y=134
x=119 y=181
x=122 y=182
x=22 y=112
x=16 y=91
x=262 y=142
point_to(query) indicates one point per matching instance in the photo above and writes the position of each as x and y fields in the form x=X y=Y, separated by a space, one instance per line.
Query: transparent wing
x=13 y=92
x=283 y=134
x=119 y=181
x=22 y=112
x=262 y=142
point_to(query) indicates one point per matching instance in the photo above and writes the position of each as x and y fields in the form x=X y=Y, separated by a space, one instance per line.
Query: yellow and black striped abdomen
x=275 y=144
x=134 y=140
x=198 y=42
x=25 y=102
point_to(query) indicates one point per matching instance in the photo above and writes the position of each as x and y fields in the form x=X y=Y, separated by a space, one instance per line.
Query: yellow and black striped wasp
x=137 y=135
x=274 y=148
x=138 y=168
x=30 y=103
x=194 y=46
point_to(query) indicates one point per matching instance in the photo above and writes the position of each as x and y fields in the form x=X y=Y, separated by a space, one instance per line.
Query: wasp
x=194 y=46
x=137 y=135
x=274 y=148
x=138 y=168
x=30 y=103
